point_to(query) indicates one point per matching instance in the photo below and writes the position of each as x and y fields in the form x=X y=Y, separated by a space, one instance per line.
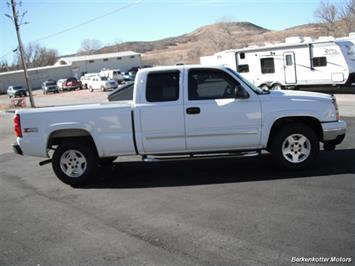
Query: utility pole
x=22 y=54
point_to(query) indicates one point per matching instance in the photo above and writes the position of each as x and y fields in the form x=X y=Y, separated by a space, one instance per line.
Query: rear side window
x=319 y=61
x=267 y=65
x=163 y=87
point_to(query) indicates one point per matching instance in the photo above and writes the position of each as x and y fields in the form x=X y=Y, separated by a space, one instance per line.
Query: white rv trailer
x=298 y=62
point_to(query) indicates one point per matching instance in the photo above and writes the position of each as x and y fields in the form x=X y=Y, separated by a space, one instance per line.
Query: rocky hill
x=209 y=39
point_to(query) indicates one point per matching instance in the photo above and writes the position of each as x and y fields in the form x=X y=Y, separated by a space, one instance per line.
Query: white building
x=37 y=76
x=95 y=63
x=73 y=66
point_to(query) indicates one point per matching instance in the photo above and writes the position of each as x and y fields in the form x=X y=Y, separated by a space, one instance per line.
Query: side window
x=267 y=65
x=207 y=84
x=289 y=60
x=319 y=61
x=243 y=68
x=163 y=87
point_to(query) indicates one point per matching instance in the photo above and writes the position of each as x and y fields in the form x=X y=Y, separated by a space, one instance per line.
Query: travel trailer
x=296 y=63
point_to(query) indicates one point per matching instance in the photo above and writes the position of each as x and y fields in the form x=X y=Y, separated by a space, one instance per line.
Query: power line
x=88 y=21
x=8 y=53
x=82 y=24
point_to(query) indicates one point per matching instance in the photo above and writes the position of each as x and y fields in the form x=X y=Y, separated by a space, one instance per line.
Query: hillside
x=209 y=39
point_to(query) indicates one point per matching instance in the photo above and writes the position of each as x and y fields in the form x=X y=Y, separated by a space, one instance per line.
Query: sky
x=139 y=20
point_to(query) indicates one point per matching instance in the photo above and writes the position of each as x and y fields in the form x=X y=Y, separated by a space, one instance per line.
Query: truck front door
x=215 y=119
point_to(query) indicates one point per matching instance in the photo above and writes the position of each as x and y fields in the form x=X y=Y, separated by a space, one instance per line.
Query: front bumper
x=17 y=149
x=334 y=131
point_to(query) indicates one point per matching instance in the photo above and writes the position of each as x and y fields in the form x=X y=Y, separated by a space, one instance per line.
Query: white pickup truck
x=182 y=110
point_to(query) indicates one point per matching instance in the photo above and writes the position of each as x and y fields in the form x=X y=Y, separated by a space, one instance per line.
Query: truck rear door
x=160 y=113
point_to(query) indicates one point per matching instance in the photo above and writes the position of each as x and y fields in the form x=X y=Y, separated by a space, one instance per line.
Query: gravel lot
x=206 y=212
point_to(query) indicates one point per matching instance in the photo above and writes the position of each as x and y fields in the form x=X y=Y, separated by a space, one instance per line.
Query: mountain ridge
x=206 y=40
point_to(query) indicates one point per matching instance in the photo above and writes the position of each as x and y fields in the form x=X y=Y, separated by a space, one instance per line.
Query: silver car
x=49 y=86
x=16 y=91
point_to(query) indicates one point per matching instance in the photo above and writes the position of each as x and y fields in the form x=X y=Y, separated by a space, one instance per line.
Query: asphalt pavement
x=240 y=211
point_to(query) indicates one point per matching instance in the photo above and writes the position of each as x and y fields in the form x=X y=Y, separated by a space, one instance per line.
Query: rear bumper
x=351 y=80
x=17 y=149
x=334 y=131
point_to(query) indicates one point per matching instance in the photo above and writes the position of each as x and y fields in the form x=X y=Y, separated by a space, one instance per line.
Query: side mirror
x=241 y=93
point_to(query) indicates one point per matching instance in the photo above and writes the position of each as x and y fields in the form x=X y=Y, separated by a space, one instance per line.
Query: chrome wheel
x=276 y=87
x=264 y=87
x=73 y=163
x=296 y=148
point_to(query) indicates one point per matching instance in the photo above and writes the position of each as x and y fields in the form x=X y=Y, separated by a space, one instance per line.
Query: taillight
x=17 y=125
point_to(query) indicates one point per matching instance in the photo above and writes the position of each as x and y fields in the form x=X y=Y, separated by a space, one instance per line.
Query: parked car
x=214 y=111
x=71 y=84
x=50 y=86
x=16 y=91
x=127 y=76
x=60 y=83
x=86 y=78
x=122 y=93
x=101 y=83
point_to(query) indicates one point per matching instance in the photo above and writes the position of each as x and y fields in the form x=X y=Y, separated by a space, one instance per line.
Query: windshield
x=50 y=83
x=104 y=78
x=247 y=82
x=18 y=88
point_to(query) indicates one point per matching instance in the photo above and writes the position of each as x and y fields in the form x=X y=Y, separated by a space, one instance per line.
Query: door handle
x=193 y=110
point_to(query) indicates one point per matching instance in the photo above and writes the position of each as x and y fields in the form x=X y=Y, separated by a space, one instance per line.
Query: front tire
x=295 y=146
x=276 y=87
x=74 y=163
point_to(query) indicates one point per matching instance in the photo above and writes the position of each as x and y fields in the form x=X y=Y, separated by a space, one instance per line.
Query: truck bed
x=109 y=124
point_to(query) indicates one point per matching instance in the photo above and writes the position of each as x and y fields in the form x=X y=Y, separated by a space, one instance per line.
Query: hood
x=299 y=95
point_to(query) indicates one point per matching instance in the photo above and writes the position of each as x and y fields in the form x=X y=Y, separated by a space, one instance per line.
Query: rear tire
x=103 y=88
x=74 y=163
x=294 y=146
x=264 y=87
x=91 y=89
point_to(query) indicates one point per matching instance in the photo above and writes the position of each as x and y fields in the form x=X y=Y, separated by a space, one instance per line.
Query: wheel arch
x=310 y=121
x=73 y=134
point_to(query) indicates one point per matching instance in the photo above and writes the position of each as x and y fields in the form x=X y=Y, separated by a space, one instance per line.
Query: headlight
x=334 y=101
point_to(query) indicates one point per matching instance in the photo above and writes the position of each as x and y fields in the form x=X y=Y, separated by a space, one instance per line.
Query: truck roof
x=179 y=67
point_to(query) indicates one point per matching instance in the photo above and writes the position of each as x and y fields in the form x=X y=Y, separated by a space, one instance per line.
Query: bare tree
x=347 y=16
x=88 y=46
x=4 y=66
x=193 y=56
x=37 y=55
x=221 y=38
x=337 y=19
x=328 y=15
